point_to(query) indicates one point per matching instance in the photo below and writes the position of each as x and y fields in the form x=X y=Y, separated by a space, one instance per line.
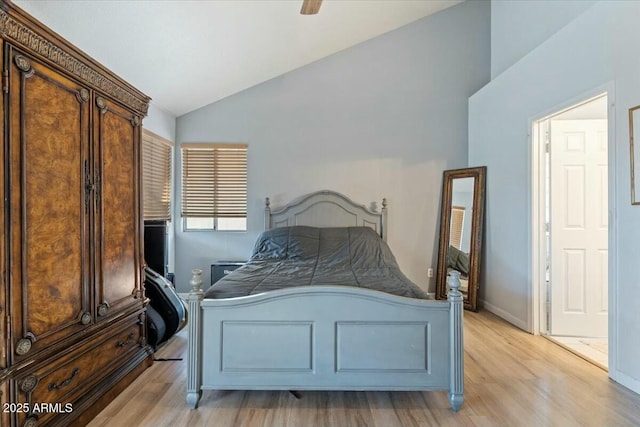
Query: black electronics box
x=219 y=269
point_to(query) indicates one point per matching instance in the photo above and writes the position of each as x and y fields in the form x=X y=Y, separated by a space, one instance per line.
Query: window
x=457 y=221
x=156 y=176
x=214 y=186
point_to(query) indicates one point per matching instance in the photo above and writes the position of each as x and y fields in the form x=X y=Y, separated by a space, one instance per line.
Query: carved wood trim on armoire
x=72 y=304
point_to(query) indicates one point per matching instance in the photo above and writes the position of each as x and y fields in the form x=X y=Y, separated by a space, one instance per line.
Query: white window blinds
x=214 y=180
x=457 y=221
x=156 y=176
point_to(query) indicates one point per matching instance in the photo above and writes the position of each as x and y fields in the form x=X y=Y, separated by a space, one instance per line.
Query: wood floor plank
x=382 y=409
x=511 y=379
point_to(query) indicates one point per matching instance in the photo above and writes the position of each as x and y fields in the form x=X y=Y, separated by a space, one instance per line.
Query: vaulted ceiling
x=187 y=54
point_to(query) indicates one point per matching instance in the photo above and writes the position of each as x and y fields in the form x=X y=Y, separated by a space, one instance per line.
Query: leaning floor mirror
x=461 y=223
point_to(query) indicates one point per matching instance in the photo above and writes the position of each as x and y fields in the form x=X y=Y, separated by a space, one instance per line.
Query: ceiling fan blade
x=310 y=7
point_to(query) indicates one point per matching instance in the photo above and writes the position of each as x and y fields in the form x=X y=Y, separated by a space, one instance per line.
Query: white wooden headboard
x=326 y=209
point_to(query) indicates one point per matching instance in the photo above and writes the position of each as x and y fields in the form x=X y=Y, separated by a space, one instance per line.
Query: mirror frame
x=477 y=224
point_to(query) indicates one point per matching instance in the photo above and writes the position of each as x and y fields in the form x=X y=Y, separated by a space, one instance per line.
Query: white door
x=579 y=227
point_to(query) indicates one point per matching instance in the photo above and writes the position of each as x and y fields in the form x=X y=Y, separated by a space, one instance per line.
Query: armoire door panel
x=4 y=400
x=49 y=150
x=118 y=206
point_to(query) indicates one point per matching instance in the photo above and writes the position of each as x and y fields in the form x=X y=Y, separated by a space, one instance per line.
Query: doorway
x=572 y=177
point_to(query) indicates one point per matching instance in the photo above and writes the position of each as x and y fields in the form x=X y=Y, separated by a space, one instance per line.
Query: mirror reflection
x=461 y=231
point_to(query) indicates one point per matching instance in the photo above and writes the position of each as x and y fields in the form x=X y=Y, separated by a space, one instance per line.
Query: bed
x=325 y=337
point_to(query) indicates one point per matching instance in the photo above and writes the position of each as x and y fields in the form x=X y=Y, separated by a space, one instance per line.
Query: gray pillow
x=462 y=264
x=452 y=256
x=458 y=260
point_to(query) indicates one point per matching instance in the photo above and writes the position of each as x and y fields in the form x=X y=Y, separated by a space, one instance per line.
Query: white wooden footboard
x=325 y=338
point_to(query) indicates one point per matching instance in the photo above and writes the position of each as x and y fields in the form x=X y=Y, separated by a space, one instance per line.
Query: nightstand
x=219 y=269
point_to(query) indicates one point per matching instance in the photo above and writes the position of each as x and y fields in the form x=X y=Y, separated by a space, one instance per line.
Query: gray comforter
x=308 y=256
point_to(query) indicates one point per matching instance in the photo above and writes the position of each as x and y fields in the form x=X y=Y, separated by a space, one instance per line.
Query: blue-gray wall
x=381 y=119
x=598 y=50
x=160 y=122
x=517 y=27
x=163 y=123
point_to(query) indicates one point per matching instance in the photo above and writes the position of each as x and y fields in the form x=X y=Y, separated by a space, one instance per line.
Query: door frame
x=537 y=255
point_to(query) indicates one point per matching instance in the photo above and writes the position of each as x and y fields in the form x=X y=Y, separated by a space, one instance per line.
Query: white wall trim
x=613 y=235
x=538 y=235
x=625 y=380
x=535 y=233
x=506 y=316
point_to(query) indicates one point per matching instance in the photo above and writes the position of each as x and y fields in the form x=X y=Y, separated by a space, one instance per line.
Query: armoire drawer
x=65 y=380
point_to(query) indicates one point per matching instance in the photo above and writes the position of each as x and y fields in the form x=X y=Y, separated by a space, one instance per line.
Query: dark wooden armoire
x=72 y=304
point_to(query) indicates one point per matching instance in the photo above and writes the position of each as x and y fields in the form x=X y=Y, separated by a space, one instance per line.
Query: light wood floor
x=511 y=379
x=594 y=350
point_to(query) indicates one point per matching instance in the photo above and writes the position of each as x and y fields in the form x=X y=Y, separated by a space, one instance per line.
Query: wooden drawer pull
x=56 y=386
x=127 y=342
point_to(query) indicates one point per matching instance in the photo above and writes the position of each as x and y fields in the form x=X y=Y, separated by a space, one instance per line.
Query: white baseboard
x=506 y=316
x=625 y=380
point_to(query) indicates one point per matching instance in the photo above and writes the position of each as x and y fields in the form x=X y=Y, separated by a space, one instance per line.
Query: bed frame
x=329 y=337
